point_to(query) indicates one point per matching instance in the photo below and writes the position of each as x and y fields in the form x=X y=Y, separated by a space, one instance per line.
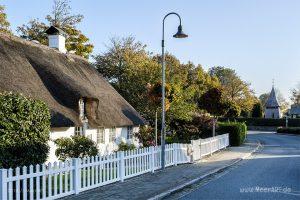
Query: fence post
x=226 y=140
x=210 y=139
x=200 y=150
x=3 y=184
x=152 y=166
x=76 y=175
x=175 y=147
x=191 y=149
x=122 y=166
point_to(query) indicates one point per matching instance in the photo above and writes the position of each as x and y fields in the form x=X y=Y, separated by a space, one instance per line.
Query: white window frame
x=112 y=135
x=78 y=130
x=101 y=135
x=129 y=132
x=81 y=109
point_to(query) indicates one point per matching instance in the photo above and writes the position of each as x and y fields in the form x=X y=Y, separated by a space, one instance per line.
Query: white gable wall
x=272 y=113
x=104 y=148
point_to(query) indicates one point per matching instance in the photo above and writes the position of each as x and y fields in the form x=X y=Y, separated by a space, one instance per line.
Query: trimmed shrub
x=24 y=131
x=77 y=146
x=263 y=121
x=237 y=132
x=293 y=130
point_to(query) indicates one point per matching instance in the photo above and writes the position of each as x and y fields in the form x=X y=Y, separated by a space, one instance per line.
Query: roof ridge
x=38 y=45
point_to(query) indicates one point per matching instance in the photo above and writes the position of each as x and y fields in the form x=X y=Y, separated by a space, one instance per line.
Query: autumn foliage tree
x=4 y=24
x=234 y=88
x=296 y=94
x=212 y=102
x=134 y=72
x=60 y=17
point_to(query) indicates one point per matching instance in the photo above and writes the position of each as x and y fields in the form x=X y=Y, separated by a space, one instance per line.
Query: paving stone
x=148 y=185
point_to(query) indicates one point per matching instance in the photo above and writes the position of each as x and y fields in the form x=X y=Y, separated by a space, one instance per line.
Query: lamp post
x=179 y=34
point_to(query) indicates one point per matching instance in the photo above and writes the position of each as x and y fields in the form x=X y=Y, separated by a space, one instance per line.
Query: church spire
x=272 y=101
x=272 y=107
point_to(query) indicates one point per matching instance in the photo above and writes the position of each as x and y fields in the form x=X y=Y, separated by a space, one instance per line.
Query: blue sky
x=260 y=39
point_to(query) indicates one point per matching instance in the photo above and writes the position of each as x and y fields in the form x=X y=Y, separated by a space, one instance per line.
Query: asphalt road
x=271 y=173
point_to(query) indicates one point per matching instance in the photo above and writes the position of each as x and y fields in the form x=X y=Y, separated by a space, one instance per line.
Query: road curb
x=291 y=134
x=168 y=192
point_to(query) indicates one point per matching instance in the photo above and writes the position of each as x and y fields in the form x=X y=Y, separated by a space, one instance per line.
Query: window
x=112 y=134
x=100 y=135
x=129 y=132
x=78 y=130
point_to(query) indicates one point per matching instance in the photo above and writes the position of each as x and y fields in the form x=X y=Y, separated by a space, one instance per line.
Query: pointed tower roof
x=272 y=101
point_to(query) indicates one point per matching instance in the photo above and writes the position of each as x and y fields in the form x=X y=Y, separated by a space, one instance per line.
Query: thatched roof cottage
x=80 y=99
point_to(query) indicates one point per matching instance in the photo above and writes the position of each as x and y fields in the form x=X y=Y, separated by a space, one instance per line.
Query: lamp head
x=180 y=33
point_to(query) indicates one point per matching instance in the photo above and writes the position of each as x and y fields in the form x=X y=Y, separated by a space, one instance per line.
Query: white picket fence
x=61 y=179
x=203 y=147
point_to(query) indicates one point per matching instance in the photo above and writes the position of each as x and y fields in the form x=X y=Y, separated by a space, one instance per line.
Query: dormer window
x=81 y=109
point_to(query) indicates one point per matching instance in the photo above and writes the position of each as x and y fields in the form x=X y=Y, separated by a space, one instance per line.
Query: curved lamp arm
x=163 y=29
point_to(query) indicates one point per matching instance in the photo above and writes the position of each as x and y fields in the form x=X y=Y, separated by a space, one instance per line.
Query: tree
x=4 y=24
x=212 y=102
x=60 y=17
x=24 y=131
x=233 y=110
x=263 y=99
x=135 y=73
x=77 y=146
x=234 y=89
x=128 y=66
x=257 y=110
x=296 y=94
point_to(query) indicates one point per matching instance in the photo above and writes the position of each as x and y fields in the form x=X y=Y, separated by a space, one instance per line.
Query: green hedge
x=293 y=130
x=264 y=122
x=237 y=132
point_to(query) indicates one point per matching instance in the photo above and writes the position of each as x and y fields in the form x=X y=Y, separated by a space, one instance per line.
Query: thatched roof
x=60 y=80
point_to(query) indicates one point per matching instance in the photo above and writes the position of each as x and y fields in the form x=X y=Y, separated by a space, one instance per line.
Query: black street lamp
x=179 y=34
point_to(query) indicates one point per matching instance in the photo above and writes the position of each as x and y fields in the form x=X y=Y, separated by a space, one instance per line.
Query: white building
x=272 y=107
x=294 y=112
x=80 y=99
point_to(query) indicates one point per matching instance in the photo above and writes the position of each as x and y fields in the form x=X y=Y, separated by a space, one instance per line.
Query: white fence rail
x=203 y=147
x=61 y=179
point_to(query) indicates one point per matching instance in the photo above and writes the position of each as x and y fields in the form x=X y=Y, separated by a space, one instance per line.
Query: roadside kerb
x=213 y=172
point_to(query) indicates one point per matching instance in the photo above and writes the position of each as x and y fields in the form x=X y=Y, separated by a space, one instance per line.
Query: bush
x=184 y=131
x=237 y=132
x=77 y=146
x=125 y=147
x=146 y=136
x=293 y=130
x=24 y=131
